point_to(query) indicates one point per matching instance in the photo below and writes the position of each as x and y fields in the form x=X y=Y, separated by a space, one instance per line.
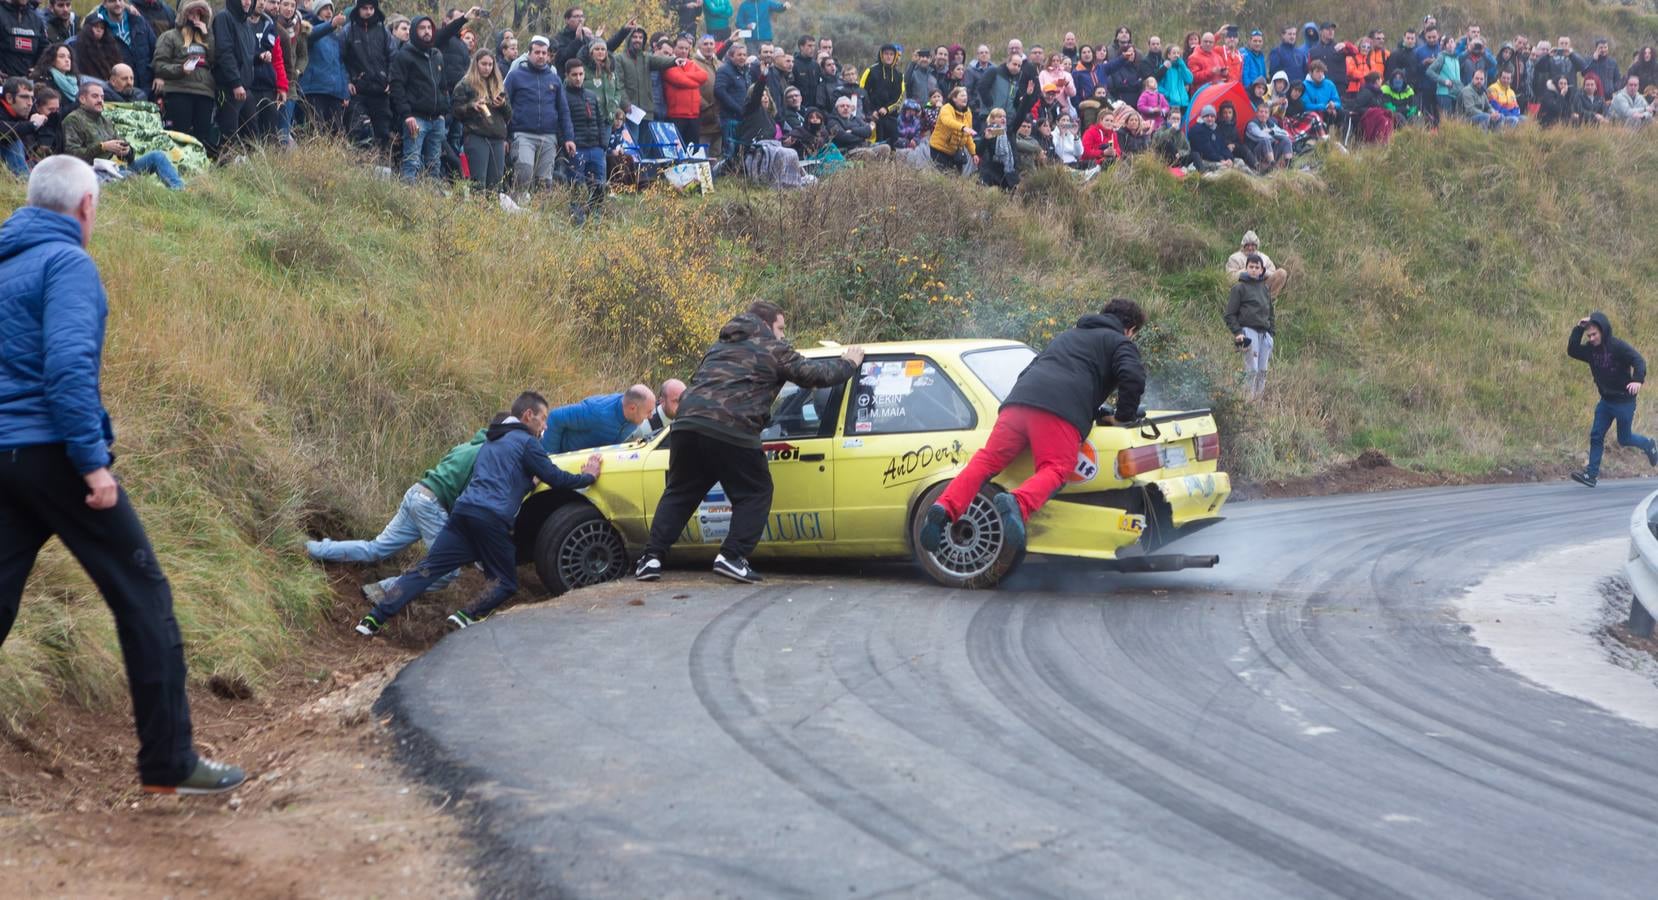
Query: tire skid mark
x=997 y=671
x=715 y=681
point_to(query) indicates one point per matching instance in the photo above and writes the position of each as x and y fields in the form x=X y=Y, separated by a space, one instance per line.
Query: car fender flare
x=537 y=507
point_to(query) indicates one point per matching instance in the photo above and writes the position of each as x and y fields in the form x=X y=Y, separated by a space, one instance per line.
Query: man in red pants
x=1051 y=407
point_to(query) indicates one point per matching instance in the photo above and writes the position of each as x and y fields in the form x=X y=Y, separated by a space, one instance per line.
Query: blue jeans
x=423 y=151
x=419 y=518
x=156 y=163
x=728 y=136
x=16 y=161
x=1607 y=412
x=469 y=537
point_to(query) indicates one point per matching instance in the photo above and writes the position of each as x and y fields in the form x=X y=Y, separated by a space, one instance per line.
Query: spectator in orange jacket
x=1362 y=59
x=682 y=91
x=1207 y=62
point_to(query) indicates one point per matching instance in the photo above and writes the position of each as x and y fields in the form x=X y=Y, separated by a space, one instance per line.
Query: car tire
x=578 y=547
x=975 y=552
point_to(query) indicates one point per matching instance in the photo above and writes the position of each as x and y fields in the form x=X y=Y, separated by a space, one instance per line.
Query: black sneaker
x=460 y=619
x=369 y=626
x=1584 y=478
x=1013 y=520
x=932 y=527
x=208 y=777
x=373 y=593
x=648 y=568
x=737 y=569
x=1652 y=455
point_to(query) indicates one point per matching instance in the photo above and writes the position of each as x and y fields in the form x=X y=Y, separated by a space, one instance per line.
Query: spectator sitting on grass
x=1629 y=107
x=1476 y=105
x=1208 y=152
x=1271 y=144
x=87 y=134
x=1321 y=94
x=1503 y=102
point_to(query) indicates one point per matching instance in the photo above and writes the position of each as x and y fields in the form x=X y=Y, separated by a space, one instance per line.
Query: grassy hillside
x=292 y=341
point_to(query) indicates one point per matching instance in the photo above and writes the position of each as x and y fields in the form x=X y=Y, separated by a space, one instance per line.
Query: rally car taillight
x=1138 y=460
x=1207 y=447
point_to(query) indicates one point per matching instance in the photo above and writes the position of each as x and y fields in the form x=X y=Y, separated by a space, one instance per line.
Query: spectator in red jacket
x=1208 y=62
x=682 y=89
x=1099 y=143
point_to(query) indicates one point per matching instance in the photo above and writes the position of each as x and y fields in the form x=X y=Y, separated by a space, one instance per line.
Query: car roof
x=955 y=347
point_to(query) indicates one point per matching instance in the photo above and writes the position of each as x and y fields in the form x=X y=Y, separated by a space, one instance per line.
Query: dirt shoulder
x=328 y=809
x=1372 y=471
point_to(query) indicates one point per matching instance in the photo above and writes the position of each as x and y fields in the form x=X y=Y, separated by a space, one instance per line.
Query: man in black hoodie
x=716 y=435
x=883 y=84
x=1619 y=372
x=480 y=523
x=367 y=53
x=1051 y=409
x=235 y=51
x=419 y=101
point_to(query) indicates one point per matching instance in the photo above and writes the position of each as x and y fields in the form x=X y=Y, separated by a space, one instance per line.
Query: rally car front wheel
x=577 y=547
x=975 y=551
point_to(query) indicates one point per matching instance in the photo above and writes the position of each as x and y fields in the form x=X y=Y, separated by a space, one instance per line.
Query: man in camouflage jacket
x=716 y=436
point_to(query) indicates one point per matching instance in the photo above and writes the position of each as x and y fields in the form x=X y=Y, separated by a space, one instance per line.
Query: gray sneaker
x=208 y=777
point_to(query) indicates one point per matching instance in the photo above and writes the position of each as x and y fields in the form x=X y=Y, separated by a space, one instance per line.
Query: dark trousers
x=466 y=538
x=193 y=115
x=886 y=129
x=378 y=109
x=41 y=495
x=690 y=132
x=263 y=116
x=325 y=113
x=233 y=117
x=695 y=462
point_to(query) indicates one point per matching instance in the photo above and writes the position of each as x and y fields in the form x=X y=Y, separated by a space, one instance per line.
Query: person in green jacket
x=716 y=17
x=1249 y=316
x=634 y=65
x=421 y=515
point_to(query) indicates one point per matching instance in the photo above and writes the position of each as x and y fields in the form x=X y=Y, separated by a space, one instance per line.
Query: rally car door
x=906 y=422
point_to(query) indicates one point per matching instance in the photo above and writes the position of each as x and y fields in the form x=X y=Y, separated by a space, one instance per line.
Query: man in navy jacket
x=480 y=523
x=55 y=465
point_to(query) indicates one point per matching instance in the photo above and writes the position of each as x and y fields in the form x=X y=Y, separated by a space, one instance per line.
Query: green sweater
x=449 y=477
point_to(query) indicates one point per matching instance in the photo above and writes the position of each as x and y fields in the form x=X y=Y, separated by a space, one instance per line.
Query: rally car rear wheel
x=975 y=551
x=577 y=547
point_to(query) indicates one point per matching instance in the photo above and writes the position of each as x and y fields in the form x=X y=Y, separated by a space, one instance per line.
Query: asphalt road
x=1309 y=719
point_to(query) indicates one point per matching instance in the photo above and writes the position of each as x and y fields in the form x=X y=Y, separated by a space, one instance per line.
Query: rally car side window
x=803 y=414
x=906 y=395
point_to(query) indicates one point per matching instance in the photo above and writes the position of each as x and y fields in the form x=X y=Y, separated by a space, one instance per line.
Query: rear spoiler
x=1148 y=425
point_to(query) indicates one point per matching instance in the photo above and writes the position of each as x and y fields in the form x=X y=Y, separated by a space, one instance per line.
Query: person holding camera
x=1249 y=316
x=1619 y=372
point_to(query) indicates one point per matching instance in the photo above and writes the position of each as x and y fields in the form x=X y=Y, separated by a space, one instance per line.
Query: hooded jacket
x=1074 y=374
x=633 y=72
x=324 y=74
x=884 y=86
x=602 y=81
x=417 y=77
x=52 y=316
x=1249 y=305
x=137 y=44
x=449 y=477
x=235 y=47
x=735 y=385
x=456 y=58
x=502 y=473
x=171 y=53
x=368 y=49
x=538 y=103
x=1614 y=364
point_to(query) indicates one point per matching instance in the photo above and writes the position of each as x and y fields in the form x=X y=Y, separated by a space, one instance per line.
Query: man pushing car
x=1050 y=410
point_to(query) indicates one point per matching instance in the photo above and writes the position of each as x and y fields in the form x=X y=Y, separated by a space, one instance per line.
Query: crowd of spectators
x=516 y=112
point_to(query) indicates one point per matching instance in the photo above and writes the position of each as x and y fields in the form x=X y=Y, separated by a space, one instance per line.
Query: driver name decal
x=916 y=462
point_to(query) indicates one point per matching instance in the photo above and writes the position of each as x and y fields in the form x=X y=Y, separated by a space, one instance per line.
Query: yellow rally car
x=855 y=465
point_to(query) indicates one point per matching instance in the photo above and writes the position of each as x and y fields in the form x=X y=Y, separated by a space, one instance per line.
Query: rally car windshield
x=999 y=368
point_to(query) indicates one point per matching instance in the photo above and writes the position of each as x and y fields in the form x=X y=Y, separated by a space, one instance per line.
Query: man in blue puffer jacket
x=55 y=459
x=480 y=523
x=324 y=83
x=598 y=421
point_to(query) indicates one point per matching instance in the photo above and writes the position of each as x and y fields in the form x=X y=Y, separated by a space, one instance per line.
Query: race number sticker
x=1088 y=465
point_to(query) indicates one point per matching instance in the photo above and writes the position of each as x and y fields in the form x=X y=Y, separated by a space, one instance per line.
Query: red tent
x=1216 y=94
